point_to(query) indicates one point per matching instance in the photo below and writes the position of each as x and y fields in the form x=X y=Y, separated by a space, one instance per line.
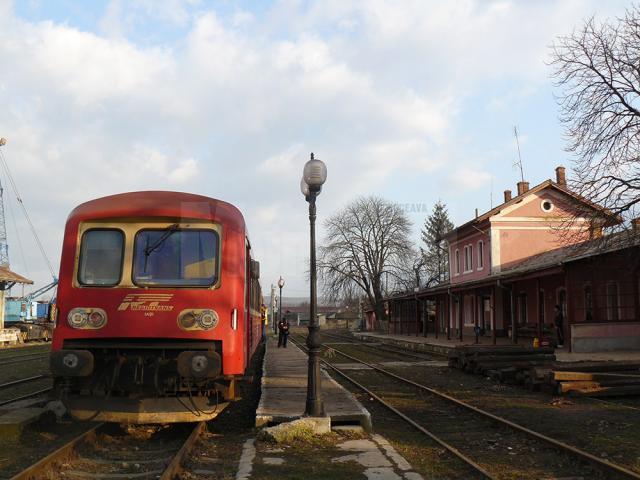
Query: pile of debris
x=537 y=369
x=505 y=363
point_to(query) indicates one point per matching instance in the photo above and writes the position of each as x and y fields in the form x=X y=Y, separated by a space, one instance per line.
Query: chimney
x=561 y=178
x=635 y=224
x=476 y=213
x=507 y=195
x=523 y=187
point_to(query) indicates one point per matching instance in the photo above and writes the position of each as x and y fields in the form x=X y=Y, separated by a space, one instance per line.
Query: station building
x=511 y=266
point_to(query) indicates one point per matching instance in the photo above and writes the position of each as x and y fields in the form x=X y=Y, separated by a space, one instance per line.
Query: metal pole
x=314 y=406
x=273 y=309
x=280 y=309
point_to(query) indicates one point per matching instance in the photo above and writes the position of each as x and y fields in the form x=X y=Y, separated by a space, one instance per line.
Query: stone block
x=303 y=428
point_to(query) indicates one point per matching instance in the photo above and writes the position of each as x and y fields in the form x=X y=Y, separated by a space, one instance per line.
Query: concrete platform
x=443 y=346
x=284 y=391
x=12 y=422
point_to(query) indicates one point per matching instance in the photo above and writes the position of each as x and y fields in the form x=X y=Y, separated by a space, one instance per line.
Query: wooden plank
x=598 y=366
x=582 y=376
x=565 y=387
x=510 y=358
x=608 y=392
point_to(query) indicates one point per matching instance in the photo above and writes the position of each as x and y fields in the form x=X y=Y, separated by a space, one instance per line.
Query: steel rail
x=431 y=435
x=22 y=380
x=24 y=397
x=171 y=471
x=175 y=466
x=385 y=348
x=43 y=464
x=557 y=443
x=25 y=358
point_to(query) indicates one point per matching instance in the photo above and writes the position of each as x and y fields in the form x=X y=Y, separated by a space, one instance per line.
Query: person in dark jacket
x=558 y=320
x=283 y=332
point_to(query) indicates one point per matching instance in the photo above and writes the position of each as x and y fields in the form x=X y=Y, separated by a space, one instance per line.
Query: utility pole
x=4 y=247
x=272 y=304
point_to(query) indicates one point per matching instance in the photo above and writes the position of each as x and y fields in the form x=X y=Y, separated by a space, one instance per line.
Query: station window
x=457 y=262
x=468 y=258
x=612 y=302
x=480 y=255
x=588 y=303
x=546 y=206
x=101 y=253
x=522 y=307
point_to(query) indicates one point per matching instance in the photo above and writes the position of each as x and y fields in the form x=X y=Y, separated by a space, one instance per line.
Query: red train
x=158 y=308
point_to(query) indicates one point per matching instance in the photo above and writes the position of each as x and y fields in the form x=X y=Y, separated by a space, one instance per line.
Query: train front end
x=152 y=323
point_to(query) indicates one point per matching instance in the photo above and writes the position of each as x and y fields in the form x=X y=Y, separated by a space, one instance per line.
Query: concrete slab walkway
x=284 y=391
x=442 y=345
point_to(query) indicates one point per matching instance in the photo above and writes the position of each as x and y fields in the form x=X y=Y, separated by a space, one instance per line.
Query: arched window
x=480 y=255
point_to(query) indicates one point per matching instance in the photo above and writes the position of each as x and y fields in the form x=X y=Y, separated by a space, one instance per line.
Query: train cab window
x=101 y=254
x=175 y=257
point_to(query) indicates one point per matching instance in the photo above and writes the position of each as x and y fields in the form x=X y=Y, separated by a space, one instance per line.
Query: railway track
x=23 y=381
x=24 y=358
x=384 y=348
x=26 y=396
x=109 y=452
x=460 y=427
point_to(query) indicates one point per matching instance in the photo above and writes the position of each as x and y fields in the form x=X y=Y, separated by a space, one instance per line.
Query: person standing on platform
x=558 y=320
x=265 y=321
x=283 y=332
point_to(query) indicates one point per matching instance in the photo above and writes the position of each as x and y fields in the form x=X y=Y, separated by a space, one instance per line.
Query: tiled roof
x=613 y=219
x=547 y=260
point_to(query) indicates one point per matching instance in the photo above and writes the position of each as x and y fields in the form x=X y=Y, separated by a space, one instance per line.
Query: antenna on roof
x=491 y=194
x=519 y=162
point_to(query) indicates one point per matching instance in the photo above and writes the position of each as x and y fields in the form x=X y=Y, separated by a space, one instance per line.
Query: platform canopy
x=8 y=279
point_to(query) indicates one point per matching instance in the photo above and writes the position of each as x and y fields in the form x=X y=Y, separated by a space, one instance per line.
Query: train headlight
x=97 y=319
x=208 y=319
x=77 y=318
x=87 y=318
x=197 y=319
x=187 y=320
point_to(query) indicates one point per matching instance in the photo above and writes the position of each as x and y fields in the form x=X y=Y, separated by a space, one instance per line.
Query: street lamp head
x=314 y=174
x=3 y=141
x=304 y=188
x=281 y=282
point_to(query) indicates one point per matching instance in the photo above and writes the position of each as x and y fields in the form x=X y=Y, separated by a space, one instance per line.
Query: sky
x=413 y=100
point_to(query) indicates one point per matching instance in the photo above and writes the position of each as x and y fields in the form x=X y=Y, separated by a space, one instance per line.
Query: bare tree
x=366 y=241
x=597 y=68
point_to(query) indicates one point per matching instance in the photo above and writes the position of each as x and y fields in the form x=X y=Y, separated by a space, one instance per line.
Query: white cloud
x=230 y=104
x=467 y=178
x=283 y=163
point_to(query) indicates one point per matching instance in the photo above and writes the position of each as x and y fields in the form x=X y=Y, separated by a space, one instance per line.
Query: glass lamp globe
x=304 y=188
x=314 y=173
x=281 y=282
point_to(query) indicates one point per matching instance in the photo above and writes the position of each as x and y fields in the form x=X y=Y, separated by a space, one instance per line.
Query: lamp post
x=280 y=285
x=313 y=177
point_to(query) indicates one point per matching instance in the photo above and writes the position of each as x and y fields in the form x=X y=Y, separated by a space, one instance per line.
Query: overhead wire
x=5 y=167
x=17 y=232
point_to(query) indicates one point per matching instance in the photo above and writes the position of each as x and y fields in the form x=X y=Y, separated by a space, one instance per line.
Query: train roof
x=158 y=204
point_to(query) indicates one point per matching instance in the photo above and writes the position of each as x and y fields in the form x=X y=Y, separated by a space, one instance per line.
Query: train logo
x=146 y=302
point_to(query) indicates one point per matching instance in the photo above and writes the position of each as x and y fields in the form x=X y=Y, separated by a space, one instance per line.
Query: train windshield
x=175 y=257
x=101 y=257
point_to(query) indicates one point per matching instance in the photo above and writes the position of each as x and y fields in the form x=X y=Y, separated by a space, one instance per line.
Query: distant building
x=513 y=264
